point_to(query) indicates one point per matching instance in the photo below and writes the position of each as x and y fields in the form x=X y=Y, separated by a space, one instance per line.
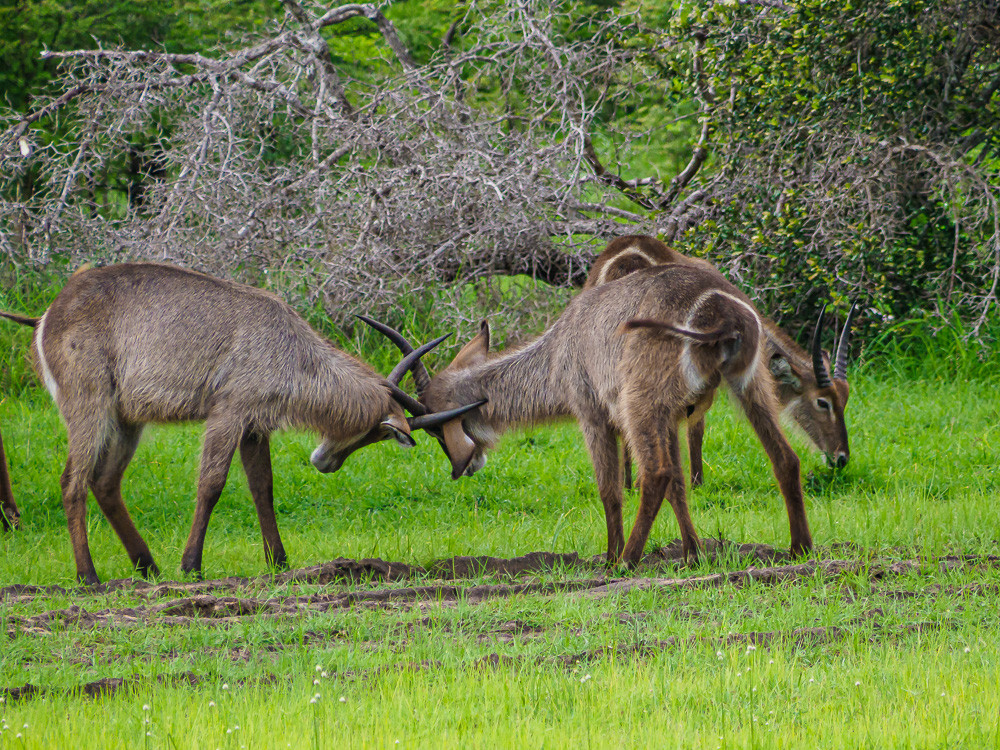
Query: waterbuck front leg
x=659 y=459
x=696 y=434
x=106 y=484
x=10 y=516
x=602 y=443
x=758 y=405
x=221 y=440
x=255 y=452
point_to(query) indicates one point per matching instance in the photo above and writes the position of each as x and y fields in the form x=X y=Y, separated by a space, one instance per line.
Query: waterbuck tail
x=22 y=319
x=702 y=337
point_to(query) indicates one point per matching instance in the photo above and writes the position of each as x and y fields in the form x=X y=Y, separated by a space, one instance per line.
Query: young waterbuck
x=633 y=357
x=805 y=390
x=141 y=342
x=9 y=515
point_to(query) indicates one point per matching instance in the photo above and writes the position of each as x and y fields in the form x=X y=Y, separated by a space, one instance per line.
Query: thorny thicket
x=359 y=191
x=521 y=142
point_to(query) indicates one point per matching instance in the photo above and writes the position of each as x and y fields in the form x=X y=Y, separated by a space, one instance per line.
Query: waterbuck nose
x=841 y=460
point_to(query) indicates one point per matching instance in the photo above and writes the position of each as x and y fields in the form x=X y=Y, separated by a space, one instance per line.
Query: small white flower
x=225 y=686
x=585 y=678
x=312 y=700
x=857 y=684
x=315 y=682
x=771 y=662
x=149 y=734
x=229 y=731
x=751 y=647
x=319 y=667
x=967 y=649
x=343 y=699
x=812 y=679
x=211 y=704
x=145 y=706
x=236 y=726
x=324 y=674
x=719 y=654
x=738 y=674
x=942 y=695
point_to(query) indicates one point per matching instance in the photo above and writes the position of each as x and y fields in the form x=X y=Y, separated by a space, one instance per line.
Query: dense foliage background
x=437 y=161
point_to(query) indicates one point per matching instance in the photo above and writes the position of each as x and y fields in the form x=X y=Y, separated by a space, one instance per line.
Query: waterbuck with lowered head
x=129 y=344
x=9 y=515
x=634 y=357
x=806 y=392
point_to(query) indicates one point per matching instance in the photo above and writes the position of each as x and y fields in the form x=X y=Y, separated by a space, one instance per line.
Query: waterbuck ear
x=475 y=351
x=782 y=371
x=398 y=430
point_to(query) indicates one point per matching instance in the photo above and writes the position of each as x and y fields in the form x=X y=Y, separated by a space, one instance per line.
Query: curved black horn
x=440 y=417
x=844 y=347
x=407 y=362
x=421 y=378
x=407 y=401
x=819 y=366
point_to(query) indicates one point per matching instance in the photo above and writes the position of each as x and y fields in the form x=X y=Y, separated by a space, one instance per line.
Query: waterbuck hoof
x=9 y=520
x=88 y=579
x=801 y=550
x=145 y=567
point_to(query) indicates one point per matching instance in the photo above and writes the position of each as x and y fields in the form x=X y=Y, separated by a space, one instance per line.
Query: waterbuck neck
x=519 y=384
x=332 y=388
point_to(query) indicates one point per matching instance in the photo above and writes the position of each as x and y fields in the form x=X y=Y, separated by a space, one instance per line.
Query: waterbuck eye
x=823 y=404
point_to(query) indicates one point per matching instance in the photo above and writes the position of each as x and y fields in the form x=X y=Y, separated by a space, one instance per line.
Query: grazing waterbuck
x=125 y=345
x=633 y=357
x=805 y=390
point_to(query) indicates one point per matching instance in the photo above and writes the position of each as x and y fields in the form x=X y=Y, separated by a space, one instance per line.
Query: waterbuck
x=633 y=357
x=9 y=515
x=805 y=392
x=129 y=344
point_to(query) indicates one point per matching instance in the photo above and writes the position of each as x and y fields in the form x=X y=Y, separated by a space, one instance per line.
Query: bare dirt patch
x=346 y=584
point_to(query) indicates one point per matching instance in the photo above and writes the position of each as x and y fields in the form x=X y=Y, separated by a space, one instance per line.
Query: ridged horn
x=844 y=347
x=407 y=362
x=440 y=417
x=407 y=401
x=421 y=378
x=819 y=367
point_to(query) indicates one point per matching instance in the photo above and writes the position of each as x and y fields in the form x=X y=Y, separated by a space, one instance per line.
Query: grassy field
x=885 y=637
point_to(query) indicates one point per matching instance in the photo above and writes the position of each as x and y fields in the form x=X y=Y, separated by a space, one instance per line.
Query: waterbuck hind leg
x=216 y=456
x=660 y=475
x=784 y=461
x=106 y=484
x=696 y=434
x=255 y=453
x=602 y=444
x=626 y=465
x=10 y=516
x=74 y=494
